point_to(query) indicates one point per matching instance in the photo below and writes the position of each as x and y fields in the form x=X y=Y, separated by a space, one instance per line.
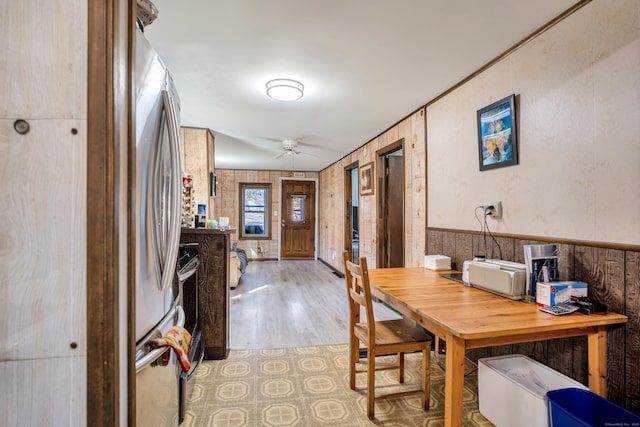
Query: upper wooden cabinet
x=197 y=150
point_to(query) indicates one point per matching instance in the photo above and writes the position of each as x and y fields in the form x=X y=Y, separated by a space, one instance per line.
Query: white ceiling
x=365 y=65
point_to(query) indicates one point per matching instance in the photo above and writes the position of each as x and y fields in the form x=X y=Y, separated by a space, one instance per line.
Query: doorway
x=351 y=228
x=298 y=219
x=391 y=202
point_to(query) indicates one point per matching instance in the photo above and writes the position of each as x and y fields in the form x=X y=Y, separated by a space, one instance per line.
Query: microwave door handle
x=174 y=196
x=143 y=362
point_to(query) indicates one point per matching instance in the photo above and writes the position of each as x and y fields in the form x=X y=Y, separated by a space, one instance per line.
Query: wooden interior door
x=351 y=229
x=298 y=220
x=391 y=203
x=395 y=211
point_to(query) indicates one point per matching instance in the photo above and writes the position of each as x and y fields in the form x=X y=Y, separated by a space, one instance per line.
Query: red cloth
x=179 y=339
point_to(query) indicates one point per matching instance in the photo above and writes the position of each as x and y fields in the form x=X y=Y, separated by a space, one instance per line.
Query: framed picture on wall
x=366 y=179
x=497 y=135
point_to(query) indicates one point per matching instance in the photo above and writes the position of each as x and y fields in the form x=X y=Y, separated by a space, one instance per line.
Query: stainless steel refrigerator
x=156 y=199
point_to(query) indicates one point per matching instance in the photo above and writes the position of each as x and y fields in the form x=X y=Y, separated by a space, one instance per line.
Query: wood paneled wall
x=613 y=276
x=227 y=203
x=43 y=227
x=332 y=198
x=197 y=148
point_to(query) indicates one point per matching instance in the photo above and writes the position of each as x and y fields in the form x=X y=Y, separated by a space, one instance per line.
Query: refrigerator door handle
x=175 y=193
x=144 y=361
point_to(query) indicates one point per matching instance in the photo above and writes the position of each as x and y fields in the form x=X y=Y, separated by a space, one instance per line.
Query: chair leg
x=401 y=368
x=371 y=384
x=354 y=357
x=426 y=377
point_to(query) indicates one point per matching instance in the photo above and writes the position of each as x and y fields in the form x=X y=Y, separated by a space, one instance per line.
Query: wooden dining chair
x=380 y=338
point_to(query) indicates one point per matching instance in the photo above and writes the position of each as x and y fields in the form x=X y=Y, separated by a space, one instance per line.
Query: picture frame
x=366 y=179
x=497 y=134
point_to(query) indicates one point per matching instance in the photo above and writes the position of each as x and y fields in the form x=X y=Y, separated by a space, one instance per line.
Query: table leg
x=454 y=382
x=597 y=348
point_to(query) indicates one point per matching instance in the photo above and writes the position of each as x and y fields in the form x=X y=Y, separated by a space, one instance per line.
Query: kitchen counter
x=207 y=231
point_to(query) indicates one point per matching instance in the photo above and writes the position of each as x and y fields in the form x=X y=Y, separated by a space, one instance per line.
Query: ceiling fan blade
x=305 y=140
x=309 y=144
x=281 y=154
x=308 y=154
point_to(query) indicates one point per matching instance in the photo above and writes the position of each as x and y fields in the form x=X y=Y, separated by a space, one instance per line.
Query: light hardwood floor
x=290 y=304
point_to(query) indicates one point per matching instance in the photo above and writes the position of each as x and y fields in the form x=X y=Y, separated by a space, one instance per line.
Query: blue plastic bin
x=571 y=407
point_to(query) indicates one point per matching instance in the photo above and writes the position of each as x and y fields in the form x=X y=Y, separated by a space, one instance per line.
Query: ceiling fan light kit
x=284 y=89
x=289 y=144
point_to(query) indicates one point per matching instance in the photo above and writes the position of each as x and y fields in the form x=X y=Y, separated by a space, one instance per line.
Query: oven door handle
x=144 y=361
x=189 y=270
x=199 y=356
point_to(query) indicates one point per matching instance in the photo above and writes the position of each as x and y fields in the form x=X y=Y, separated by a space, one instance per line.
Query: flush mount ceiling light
x=284 y=89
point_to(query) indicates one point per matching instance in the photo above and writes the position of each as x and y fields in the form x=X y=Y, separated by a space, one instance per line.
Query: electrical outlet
x=494 y=210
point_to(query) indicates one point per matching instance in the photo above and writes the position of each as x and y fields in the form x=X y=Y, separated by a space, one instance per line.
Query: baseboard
x=335 y=271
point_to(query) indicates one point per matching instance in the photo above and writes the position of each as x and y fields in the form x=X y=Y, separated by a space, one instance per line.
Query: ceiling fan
x=290 y=148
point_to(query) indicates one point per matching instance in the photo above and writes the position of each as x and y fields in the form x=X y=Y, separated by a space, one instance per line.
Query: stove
x=187 y=271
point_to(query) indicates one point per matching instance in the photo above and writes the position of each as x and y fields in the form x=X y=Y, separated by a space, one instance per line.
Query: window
x=297 y=207
x=255 y=211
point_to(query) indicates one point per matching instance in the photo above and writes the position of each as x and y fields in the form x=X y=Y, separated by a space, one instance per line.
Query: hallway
x=290 y=304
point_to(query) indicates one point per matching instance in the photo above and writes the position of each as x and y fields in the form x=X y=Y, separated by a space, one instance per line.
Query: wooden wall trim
x=107 y=98
x=348 y=214
x=286 y=174
x=606 y=245
x=352 y=165
x=426 y=184
x=382 y=198
x=390 y=148
x=127 y=95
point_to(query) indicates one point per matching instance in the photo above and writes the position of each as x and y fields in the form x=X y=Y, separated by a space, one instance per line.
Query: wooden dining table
x=467 y=317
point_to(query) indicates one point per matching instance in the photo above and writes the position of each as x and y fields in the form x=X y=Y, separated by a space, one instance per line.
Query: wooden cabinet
x=213 y=287
x=197 y=147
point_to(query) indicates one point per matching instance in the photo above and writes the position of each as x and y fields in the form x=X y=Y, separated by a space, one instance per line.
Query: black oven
x=188 y=264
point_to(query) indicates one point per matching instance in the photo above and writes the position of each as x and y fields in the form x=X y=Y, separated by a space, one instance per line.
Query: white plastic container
x=437 y=262
x=512 y=390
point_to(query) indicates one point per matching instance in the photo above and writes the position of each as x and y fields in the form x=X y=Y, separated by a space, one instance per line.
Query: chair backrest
x=359 y=292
